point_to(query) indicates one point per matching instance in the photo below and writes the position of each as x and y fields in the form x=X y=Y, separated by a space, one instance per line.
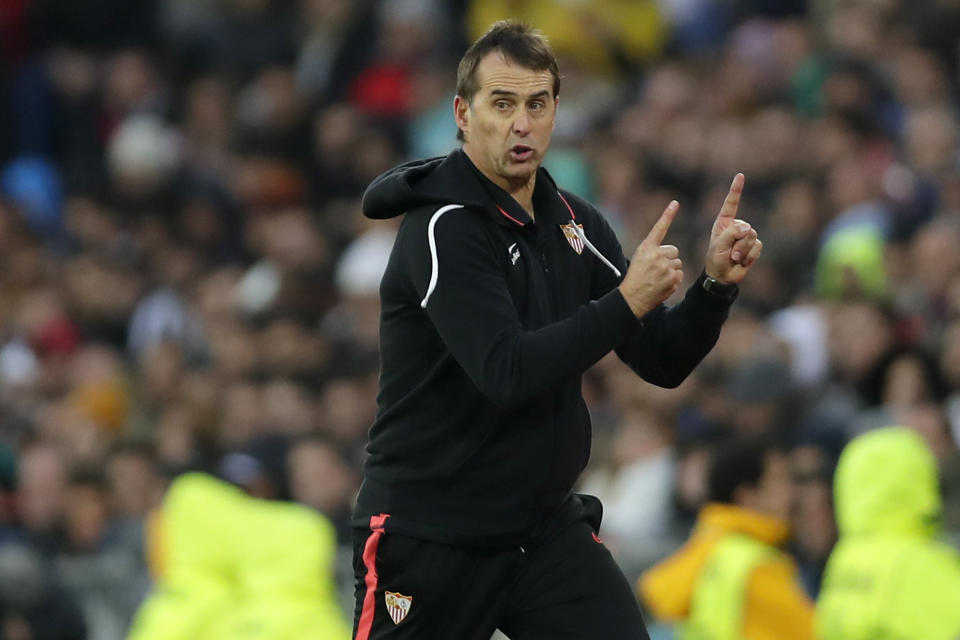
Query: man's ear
x=556 y=105
x=461 y=113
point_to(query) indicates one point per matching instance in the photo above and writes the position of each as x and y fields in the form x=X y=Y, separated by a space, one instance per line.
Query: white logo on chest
x=514 y=253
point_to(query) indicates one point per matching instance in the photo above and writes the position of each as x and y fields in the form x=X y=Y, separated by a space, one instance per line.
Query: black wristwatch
x=726 y=291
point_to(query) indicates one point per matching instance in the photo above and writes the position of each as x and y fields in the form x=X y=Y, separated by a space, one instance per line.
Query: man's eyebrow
x=503 y=92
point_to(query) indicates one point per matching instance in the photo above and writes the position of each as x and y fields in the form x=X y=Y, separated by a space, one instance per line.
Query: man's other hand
x=734 y=245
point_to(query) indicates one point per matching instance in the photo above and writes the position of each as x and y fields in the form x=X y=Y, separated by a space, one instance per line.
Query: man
x=731 y=581
x=500 y=291
x=888 y=576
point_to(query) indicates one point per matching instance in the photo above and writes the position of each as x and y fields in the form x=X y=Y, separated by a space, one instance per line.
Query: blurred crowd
x=186 y=281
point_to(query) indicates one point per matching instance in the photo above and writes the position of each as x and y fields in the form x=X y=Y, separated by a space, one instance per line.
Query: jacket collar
x=549 y=205
x=728 y=518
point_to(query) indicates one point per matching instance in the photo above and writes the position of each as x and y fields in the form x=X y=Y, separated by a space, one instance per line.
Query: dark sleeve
x=669 y=342
x=472 y=310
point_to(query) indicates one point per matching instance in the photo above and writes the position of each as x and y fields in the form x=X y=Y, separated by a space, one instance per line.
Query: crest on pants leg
x=398 y=606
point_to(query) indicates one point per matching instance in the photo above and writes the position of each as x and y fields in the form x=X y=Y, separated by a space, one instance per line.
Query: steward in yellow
x=239 y=568
x=731 y=581
x=888 y=577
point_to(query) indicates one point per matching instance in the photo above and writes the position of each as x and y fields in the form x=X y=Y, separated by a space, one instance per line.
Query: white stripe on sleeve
x=434 y=266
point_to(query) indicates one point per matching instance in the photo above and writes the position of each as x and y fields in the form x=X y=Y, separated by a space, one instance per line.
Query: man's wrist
x=726 y=291
x=637 y=309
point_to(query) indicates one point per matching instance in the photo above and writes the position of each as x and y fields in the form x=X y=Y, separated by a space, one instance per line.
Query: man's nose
x=521 y=123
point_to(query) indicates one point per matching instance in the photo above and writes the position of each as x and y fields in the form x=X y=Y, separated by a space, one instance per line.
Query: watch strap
x=726 y=291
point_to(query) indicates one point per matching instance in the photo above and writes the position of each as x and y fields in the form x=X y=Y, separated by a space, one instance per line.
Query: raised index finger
x=732 y=202
x=659 y=230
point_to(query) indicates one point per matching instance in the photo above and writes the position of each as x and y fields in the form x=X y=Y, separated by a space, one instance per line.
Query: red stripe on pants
x=370 y=562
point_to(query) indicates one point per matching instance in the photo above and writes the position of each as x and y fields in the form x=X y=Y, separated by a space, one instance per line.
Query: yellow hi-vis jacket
x=730 y=581
x=888 y=578
x=235 y=567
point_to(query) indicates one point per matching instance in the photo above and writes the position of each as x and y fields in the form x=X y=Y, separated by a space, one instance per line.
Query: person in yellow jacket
x=240 y=568
x=731 y=581
x=888 y=577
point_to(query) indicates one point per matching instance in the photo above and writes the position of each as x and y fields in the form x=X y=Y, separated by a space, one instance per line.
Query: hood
x=451 y=179
x=418 y=183
x=887 y=482
x=400 y=189
x=667 y=588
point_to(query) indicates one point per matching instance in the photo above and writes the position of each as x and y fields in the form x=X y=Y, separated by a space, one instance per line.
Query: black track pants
x=562 y=585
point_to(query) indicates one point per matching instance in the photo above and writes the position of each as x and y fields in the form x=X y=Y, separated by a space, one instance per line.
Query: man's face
x=773 y=494
x=509 y=122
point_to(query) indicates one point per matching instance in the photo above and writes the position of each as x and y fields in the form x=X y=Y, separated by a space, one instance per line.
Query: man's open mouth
x=521 y=152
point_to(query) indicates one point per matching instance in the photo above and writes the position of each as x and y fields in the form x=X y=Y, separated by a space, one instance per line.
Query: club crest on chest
x=573 y=238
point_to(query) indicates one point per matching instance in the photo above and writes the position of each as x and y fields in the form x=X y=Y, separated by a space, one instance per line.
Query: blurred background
x=186 y=281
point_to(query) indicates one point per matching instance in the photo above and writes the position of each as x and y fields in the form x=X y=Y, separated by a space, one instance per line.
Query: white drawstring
x=583 y=238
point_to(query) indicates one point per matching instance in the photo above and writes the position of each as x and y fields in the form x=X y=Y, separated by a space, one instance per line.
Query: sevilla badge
x=398 y=606
x=572 y=237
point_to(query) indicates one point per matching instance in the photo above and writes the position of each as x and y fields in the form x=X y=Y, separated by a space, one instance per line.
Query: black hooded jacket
x=488 y=321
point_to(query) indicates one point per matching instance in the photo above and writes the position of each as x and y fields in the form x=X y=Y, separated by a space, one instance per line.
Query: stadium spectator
x=812 y=522
x=233 y=566
x=321 y=477
x=732 y=580
x=889 y=576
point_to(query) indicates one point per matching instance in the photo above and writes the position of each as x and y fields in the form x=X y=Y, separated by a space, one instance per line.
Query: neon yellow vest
x=720 y=596
x=889 y=578
x=239 y=568
x=890 y=588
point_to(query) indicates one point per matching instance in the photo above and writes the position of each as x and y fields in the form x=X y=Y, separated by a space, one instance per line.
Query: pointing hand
x=655 y=271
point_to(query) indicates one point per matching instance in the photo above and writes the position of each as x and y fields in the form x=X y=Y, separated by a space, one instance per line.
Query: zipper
x=553 y=305
x=553 y=302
